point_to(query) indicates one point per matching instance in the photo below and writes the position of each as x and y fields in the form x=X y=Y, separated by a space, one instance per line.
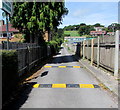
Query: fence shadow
x=78 y=51
x=63 y=59
x=20 y=98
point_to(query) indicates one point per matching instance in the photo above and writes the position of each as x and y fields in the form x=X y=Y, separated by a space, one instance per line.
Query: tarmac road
x=60 y=96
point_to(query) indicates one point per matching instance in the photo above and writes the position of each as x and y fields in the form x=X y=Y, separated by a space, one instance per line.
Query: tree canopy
x=34 y=18
x=85 y=29
x=98 y=25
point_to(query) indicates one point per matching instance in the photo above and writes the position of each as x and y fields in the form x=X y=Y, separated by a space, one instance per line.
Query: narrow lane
x=67 y=97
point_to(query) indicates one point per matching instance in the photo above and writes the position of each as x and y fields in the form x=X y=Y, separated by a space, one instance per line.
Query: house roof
x=110 y=32
x=10 y=28
x=97 y=32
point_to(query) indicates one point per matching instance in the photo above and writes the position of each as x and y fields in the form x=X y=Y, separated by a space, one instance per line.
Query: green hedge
x=10 y=77
x=55 y=45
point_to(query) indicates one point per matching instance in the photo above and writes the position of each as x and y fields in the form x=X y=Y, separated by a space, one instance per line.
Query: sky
x=104 y=13
x=1 y=17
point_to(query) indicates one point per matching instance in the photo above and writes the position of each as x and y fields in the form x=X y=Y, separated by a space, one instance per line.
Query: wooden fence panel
x=29 y=57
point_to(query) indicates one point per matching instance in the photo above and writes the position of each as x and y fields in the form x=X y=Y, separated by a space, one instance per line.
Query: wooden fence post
x=98 y=51
x=83 y=49
x=117 y=35
x=92 y=50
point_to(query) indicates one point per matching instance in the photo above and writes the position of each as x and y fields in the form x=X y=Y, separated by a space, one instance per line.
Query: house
x=110 y=33
x=97 y=33
x=11 y=30
x=98 y=28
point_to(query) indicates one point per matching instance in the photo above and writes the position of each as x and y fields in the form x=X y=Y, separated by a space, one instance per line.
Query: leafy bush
x=10 y=77
x=55 y=45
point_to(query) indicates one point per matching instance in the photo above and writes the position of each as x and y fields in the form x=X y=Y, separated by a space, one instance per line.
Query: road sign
x=7 y=6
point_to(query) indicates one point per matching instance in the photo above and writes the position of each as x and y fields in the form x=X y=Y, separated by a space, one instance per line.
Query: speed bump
x=86 y=85
x=45 y=86
x=72 y=85
x=58 y=85
x=47 y=66
x=36 y=85
x=62 y=67
x=65 y=86
x=76 y=66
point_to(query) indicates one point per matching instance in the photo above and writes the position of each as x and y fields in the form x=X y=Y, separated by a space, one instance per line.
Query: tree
x=71 y=28
x=34 y=18
x=85 y=30
x=60 y=32
x=98 y=25
x=113 y=26
x=82 y=24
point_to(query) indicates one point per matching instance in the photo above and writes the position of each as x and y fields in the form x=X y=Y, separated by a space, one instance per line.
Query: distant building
x=97 y=33
x=110 y=33
x=98 y=28
x=74 y=39
x=1 y=22
x=11 y=30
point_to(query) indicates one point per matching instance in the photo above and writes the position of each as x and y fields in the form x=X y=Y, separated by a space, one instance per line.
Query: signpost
x=7 y=7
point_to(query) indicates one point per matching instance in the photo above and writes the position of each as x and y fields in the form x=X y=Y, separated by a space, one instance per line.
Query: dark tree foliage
x=71 y=27
x=34 y=18
x=85 y=29
x=113 y=26
x=98 y=25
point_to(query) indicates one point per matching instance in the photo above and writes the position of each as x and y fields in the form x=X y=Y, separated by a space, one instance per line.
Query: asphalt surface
x=66 y=97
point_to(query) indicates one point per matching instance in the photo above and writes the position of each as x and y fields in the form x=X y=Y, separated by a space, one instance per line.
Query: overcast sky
x=104 y=13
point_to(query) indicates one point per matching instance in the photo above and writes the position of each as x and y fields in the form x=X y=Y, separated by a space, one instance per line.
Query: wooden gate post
x=92 y=50
x=83 y=49
x=98 y=51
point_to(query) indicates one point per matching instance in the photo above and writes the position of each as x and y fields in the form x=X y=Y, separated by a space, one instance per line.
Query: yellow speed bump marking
x=36 y=85
x=86 y=85
x=62 y=66
x=47 y=66
x=76 y=66
x=58 y=85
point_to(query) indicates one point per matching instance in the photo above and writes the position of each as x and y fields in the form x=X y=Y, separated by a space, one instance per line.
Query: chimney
x=1 y=22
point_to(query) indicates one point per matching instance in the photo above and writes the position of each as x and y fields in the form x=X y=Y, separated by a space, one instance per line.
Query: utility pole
x=7 y=30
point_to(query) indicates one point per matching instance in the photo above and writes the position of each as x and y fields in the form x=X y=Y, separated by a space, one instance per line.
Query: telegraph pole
x=7 y=30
